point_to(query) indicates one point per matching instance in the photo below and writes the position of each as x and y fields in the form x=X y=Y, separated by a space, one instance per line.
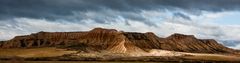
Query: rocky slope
x=99 y=39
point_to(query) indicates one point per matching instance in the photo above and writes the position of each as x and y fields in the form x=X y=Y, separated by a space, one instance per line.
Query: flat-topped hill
x=100 y=39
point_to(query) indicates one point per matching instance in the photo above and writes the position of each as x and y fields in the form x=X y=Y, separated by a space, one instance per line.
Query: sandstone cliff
x=100 y=39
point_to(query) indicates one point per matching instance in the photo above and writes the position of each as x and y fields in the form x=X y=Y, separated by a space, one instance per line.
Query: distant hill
x=230 y=43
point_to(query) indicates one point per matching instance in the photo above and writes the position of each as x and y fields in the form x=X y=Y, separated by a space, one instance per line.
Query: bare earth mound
x=101 y=40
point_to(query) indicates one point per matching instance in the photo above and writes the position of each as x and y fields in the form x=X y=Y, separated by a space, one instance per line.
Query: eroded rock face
x=100 y=39
x=188 y=43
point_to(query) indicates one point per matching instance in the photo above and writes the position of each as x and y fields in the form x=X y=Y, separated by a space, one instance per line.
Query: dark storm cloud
x=55 y=9
x=182 y=15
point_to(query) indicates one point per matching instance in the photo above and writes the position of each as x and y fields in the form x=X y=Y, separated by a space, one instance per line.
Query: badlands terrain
x=101 y=44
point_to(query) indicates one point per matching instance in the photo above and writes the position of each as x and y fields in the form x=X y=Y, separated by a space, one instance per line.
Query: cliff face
x=112 y=40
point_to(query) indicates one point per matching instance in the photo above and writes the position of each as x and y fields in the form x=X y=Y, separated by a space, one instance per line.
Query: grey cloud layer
x=55 y=9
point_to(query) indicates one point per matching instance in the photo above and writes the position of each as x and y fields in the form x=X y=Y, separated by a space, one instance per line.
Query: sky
x=206 y=19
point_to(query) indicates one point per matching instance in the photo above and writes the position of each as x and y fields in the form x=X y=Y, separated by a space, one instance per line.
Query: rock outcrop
x=100 y=39
x=188 y=43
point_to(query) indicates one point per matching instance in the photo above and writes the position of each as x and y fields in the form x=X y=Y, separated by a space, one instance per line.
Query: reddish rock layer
x=112 y=40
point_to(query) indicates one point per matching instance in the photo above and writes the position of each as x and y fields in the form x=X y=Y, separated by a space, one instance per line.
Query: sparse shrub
x=17 y=59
